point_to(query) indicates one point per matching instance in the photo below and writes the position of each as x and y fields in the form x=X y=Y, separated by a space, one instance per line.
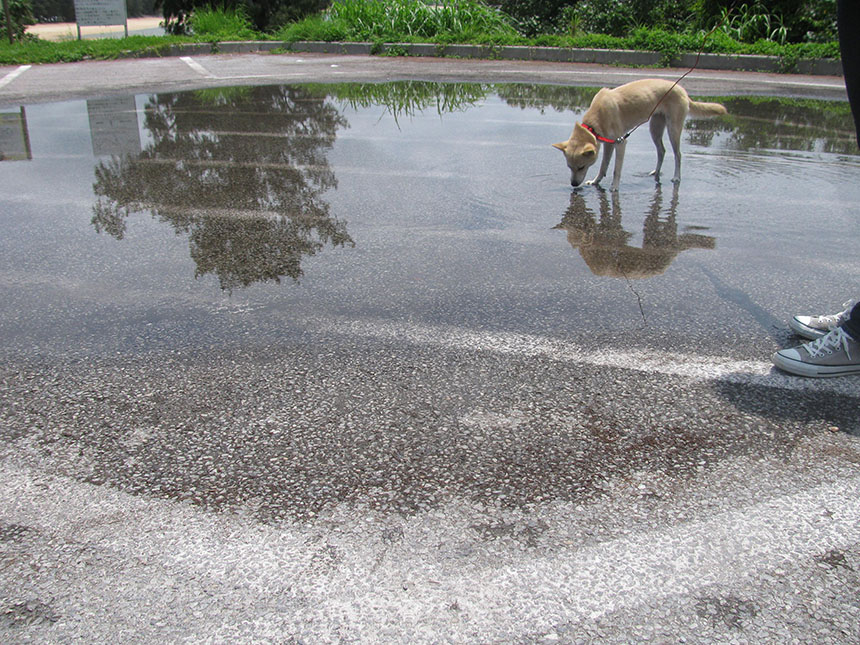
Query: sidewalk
x=148 y=25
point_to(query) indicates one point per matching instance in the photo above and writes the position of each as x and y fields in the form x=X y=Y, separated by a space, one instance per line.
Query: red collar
x=601 y=137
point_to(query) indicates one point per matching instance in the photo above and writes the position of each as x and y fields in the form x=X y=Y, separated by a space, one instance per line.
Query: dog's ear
x=589 y=150
x=560 y=146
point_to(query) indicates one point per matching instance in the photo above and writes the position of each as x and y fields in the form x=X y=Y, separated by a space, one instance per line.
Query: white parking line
x=197 y=67
x=219 y=561
x=691 y=366
x=11 y=76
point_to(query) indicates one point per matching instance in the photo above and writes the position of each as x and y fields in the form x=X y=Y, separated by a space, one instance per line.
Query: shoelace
x=827 y=344
x=834 y=320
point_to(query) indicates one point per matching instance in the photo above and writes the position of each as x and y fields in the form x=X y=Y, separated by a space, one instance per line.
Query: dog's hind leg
x=657 y=126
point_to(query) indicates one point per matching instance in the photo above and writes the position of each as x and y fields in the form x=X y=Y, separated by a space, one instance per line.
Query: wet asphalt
x=463 y=441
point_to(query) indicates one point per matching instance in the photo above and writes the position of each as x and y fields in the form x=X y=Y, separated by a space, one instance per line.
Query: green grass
x=219 y=23
x=33 y=51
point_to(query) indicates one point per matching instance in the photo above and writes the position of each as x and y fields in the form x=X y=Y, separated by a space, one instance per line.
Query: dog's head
x=580 y=152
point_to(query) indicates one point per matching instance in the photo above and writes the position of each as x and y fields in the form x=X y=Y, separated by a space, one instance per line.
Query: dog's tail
x=700 y=109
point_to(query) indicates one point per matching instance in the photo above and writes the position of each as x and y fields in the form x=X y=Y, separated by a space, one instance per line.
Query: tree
x=19 y=13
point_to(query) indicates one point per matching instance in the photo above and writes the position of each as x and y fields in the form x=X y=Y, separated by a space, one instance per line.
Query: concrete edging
x=628 y=58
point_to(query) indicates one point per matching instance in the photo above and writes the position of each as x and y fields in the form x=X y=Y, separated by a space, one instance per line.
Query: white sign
x=94 y=13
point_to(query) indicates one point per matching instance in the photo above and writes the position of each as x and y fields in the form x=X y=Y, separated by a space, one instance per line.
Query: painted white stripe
x=695 y=367
x=11 y=76
x=197 y=67
x=132 y=540
x=722 y=550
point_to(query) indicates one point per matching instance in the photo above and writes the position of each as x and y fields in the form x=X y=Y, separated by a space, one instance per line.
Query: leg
x=658 y=126
x=619 y=161
x=675 y=129
x=852 y=325
x=848 y=22
x=604 y=164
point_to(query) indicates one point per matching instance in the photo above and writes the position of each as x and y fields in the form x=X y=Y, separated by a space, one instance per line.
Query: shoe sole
x=805 y=331
x=800 y=368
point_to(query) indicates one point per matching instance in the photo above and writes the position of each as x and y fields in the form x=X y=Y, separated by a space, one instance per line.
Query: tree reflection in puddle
x=241 y=171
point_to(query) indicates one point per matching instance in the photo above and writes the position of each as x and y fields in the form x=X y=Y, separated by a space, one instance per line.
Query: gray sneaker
x=813 y=327
x=834 y=354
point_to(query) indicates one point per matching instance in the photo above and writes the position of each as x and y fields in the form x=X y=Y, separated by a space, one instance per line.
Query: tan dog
x=613 y=114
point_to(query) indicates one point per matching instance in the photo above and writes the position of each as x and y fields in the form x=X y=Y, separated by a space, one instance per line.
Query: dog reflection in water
x=603 y=243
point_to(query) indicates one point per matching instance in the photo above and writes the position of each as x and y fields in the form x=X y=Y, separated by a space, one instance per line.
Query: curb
x=621 y=57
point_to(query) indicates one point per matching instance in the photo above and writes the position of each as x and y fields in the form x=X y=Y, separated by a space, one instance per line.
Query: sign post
x=96 y=13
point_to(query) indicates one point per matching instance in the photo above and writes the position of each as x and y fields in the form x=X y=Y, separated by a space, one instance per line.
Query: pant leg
x=852 y=325
x=848 y=23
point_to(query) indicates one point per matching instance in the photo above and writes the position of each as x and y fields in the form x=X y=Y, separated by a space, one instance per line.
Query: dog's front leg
x=604 y=164
x=675 y=139
x=619 y=161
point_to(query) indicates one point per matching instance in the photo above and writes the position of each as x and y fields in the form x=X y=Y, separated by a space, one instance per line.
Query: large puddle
x=237 y=214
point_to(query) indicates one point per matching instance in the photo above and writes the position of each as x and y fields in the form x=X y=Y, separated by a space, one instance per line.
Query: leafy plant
x=751 y=22
x=222 y=23
x=317 y=27
x=407 y=20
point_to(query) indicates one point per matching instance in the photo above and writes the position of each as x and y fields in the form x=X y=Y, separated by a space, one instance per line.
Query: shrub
x=613 y=17
x=793 y=21
x=221 y=23
x=22 y=17
x=534 y=17
x=314 y=28
x=392 y=20
x=264 y=15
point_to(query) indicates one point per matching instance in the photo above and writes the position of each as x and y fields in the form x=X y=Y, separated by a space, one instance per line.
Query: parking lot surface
x=321 y=348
